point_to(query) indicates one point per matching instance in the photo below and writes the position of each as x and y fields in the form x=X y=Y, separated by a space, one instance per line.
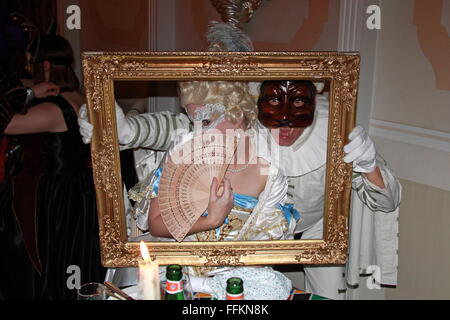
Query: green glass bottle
x=174 y=283
x=235 y=289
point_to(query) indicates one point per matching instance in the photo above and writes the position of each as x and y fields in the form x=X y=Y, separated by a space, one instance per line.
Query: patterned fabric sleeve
x=377 y=199
x=153 y=130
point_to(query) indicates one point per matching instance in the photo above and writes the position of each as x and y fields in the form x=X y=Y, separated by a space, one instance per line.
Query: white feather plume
x=228 y=38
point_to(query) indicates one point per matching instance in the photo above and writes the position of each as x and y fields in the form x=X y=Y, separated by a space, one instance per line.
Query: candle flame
x=144 y=251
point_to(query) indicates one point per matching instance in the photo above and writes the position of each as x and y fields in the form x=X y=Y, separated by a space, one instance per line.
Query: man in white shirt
x=301 y=116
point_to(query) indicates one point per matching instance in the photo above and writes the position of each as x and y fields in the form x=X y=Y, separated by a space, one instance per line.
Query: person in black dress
x=17 y=274
x=57 y=193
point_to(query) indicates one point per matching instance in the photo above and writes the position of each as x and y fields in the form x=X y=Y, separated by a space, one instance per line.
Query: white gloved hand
x=86 y=128
x=361 y=151
x=125 y=132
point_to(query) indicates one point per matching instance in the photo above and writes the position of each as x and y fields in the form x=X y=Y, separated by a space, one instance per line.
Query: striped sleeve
x=377 y=199
x=153 y=130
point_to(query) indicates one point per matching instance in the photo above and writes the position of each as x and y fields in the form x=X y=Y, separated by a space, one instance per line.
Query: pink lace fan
x=189 y=169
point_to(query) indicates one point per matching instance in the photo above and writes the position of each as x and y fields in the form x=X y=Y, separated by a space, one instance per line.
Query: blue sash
x=155 y=186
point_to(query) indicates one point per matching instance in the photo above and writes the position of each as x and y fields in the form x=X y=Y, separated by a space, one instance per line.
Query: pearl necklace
x=244 y=167
x=238 y=170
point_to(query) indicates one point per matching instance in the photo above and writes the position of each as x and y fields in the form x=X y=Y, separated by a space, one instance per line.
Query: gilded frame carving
x=102 y=69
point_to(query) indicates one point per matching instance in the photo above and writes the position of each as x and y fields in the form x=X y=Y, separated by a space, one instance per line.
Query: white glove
x=86 y=128
x=124 y=130
x=361 y=151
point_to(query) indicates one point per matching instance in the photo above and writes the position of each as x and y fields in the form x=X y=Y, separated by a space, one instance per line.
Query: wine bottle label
x=173 y=287
x=239 y=296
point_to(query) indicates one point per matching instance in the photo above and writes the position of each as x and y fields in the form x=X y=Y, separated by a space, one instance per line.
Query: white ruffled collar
x=309 y=152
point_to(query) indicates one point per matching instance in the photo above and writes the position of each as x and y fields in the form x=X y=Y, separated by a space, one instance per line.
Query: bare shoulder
x=263 y=172
x=263 y=166
x=263 y=163
x=75 y=99
x=45 y=107
x=44 y=117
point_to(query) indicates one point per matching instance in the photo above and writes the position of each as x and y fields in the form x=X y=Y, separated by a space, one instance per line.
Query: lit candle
x=149 y=284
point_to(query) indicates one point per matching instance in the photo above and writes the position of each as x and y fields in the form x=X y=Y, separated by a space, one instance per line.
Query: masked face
x=211 y=116
x=288 y=106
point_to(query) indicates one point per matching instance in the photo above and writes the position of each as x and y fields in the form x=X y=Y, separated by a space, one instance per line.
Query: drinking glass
x=92 y=291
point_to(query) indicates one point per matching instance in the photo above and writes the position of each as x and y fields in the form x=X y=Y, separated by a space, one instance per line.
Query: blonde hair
x=233 y=95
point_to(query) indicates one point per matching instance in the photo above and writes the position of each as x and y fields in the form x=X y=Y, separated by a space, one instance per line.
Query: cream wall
x=410 y=124
x=406 y=81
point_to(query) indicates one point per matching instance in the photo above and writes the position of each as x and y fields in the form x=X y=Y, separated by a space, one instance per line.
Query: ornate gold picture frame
x=341 y=70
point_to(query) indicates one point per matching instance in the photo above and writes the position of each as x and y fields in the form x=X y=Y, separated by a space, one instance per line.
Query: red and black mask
x=287 y=104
